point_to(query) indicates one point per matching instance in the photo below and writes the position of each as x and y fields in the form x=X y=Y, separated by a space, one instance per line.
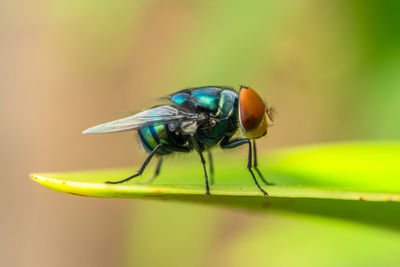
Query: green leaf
x=358 y=181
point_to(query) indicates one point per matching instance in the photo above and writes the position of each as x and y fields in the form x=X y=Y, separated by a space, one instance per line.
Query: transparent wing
x=157 y=115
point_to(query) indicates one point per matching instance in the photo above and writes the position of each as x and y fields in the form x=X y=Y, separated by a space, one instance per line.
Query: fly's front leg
x=146 y=162
x=197 y=147
x=255 y=165
x=226 y=143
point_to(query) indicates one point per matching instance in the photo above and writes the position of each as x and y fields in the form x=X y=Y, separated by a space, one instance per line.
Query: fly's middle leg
x=203 y=162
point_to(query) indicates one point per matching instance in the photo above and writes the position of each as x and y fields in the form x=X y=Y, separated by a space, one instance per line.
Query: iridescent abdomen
x=153 y=135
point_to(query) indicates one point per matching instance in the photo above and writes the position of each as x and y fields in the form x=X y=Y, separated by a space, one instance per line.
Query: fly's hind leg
x=157 y=171
x=210 y=161
x=255 y=165
x=146 y=162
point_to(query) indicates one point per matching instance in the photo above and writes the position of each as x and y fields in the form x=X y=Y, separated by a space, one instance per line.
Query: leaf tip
x=37 y=178
x=33 y=176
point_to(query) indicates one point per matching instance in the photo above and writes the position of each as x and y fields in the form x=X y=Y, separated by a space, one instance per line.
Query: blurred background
x=330 y=68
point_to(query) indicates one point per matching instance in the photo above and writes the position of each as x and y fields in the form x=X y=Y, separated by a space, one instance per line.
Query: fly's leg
x=210 y=161
x=252 y=174
x=255 y=165
x=225 y=143
x=197 y=147
x=156 y=173
x=146 y=162
x=159 y=163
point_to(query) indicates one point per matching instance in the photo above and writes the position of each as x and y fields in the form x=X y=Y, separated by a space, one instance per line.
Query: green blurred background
x=330 y=68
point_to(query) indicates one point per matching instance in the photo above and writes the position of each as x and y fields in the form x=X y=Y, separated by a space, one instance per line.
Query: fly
x=198 y=119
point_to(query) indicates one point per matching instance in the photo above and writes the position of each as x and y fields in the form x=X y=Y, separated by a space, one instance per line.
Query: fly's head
x=253 y=113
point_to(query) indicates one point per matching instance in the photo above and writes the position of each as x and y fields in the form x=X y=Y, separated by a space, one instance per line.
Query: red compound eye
x=251 y=108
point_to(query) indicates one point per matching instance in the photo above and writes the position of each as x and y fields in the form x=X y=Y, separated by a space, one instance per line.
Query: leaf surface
x=358 y=181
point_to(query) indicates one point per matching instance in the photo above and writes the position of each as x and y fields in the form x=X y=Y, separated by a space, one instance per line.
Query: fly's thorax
x=188 y=127
x=195 y=99
x=227 y=104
